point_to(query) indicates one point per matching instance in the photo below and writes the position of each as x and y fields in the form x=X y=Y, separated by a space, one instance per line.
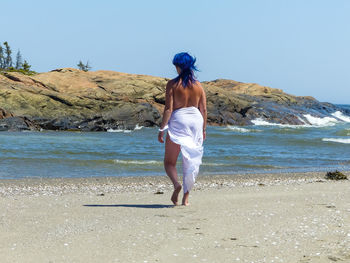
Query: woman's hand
x=160 y=136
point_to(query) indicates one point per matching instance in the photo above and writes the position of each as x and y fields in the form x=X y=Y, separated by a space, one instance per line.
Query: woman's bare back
x=186 y=97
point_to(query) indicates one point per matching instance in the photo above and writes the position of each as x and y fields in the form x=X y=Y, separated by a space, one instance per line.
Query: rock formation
x=71 y=99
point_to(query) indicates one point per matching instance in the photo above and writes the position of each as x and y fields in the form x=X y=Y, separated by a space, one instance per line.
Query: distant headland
x=72 y=99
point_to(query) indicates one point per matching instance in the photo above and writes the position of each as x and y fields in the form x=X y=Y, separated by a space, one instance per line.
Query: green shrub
x=23 y=71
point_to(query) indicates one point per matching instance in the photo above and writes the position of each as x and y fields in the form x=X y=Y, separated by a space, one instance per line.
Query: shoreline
x=98 y=185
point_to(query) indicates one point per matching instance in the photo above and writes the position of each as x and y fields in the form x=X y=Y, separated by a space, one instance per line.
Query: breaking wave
x=341 y=116
x=140 y=162
x=309 y=121
x=339 y=140
x=261 y=122
x=240 y=129
x=119 y=130
x=137 y=127
x=320 y=122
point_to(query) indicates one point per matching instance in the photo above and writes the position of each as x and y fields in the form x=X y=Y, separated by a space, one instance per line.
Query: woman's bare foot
x=174 y=197
x=185 y=199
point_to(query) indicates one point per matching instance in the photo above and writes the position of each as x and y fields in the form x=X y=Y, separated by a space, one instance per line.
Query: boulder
x=17 y=124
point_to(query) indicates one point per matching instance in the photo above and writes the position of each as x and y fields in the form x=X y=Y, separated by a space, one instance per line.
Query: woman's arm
x=203 y=109
x=168 y=109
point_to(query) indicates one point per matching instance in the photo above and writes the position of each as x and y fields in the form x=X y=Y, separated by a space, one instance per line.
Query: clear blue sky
x=300 y=46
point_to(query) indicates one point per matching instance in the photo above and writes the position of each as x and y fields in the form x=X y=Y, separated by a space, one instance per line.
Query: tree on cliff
x=19 y=61
x=84 y=67
x=26 y=66
x=2 y=61
x=7 y=58
x=6 y=62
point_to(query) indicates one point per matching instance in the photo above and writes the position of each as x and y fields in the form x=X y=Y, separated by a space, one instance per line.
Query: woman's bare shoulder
x=171 y=83
x=198 y=85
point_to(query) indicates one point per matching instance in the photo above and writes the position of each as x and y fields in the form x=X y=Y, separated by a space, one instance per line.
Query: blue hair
x=186 y=63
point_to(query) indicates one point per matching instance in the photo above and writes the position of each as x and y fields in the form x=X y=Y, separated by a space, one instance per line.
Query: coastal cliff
x=71 y=99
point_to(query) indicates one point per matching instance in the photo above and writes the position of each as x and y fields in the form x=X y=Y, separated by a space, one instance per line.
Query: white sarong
x=185 y=128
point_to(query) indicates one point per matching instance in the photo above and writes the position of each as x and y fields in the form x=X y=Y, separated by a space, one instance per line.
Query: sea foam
x=240 y=129
x=310 y=121
x=137 y=127
x=261 y=122
x=339 y=140
x=341 y=116
x=119 y=130
x=137 y=161
x=320 y=122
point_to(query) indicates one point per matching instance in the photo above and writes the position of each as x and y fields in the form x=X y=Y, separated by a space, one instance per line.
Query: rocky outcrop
x=5 y=114
x=237 y=103
x=67 y=98
x=70 y=99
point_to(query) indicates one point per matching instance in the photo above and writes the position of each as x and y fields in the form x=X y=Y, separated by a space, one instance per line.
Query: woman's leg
x=185 y=198
x=172 y=151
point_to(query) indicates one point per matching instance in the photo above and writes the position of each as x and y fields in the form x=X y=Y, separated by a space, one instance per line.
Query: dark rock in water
x=345 y=108
x=17 y=124
x=336 y=176
x=60 y=123
x=10 y=123
x=74 y=100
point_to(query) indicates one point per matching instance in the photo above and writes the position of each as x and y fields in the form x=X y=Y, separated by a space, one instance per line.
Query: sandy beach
x=237 y=218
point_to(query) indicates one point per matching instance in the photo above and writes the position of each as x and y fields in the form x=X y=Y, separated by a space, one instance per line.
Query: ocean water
x=321 y=145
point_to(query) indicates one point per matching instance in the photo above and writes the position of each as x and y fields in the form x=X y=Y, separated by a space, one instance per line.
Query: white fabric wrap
x=185 y=128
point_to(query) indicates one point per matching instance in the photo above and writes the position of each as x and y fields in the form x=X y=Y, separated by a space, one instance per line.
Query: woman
x=185 y=117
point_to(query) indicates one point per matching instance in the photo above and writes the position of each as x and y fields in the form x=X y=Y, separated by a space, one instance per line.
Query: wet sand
x=232 y=218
